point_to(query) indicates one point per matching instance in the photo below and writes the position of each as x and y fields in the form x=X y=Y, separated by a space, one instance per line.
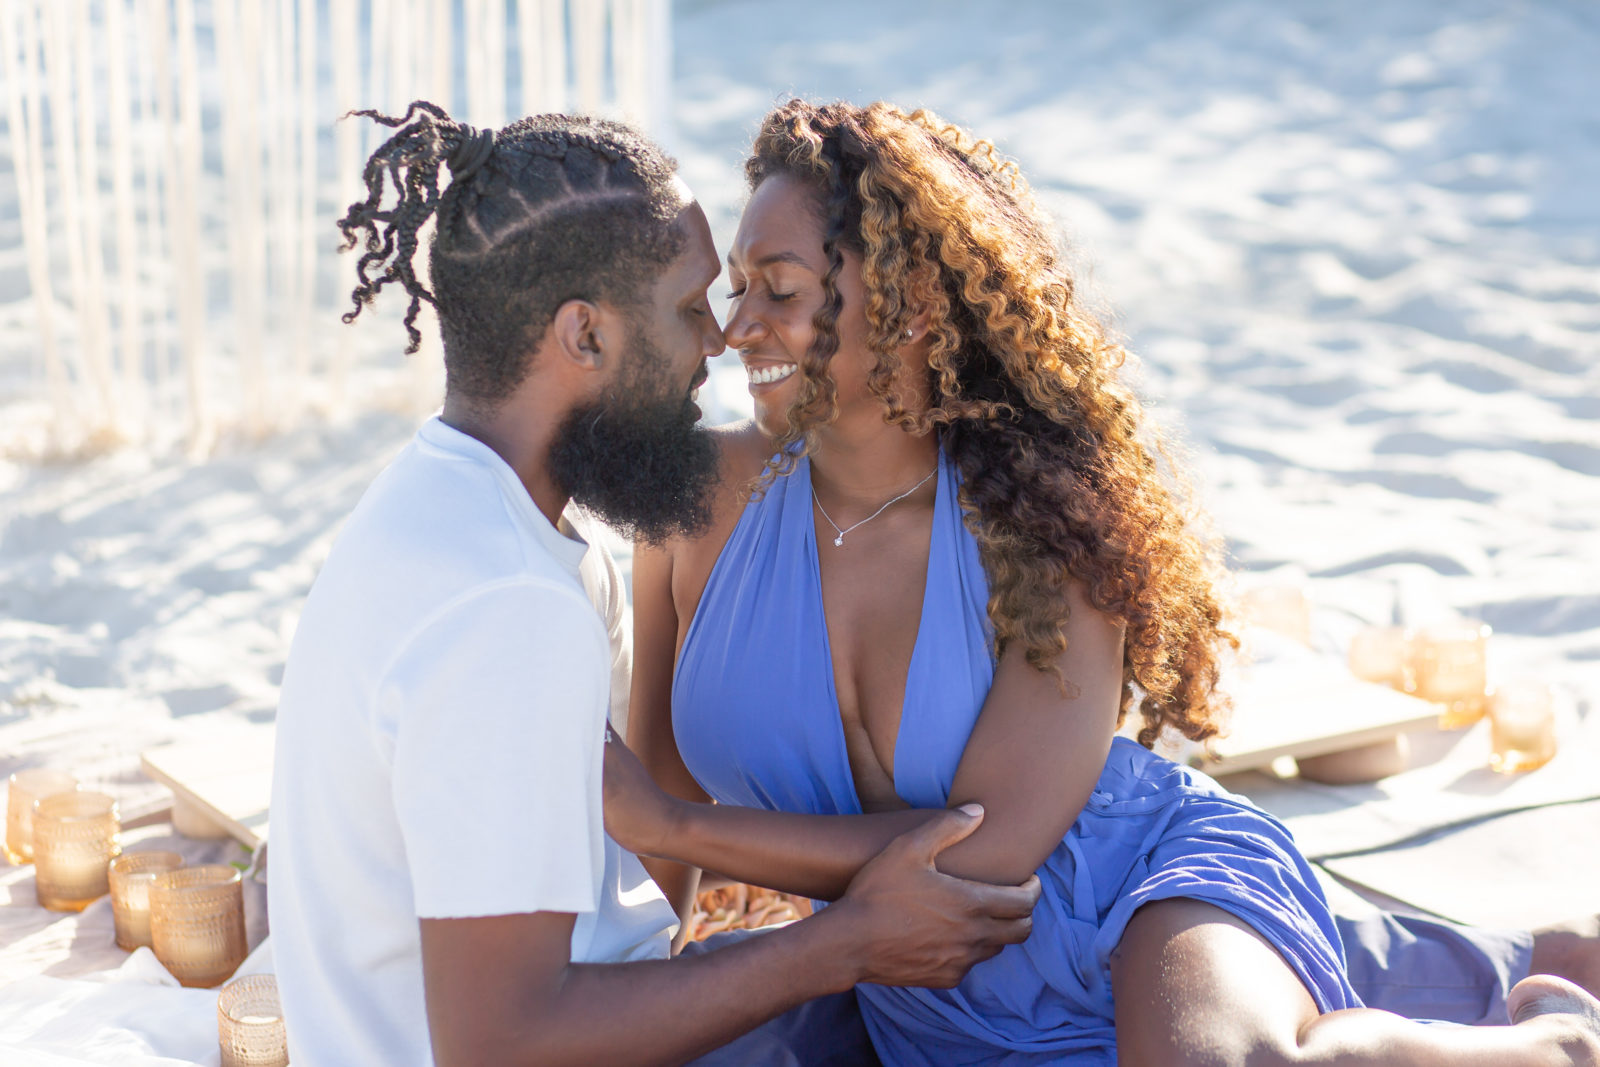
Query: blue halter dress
x=756 y=719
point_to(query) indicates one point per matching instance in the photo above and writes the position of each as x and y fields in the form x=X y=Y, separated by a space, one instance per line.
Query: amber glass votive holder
x=23 y=790
x=1382 y=654
x=1284 y=609
x=131 y=875
x=75 y=836
x=1522 y=727
x=197 y=923
x=1451 y=666
x=250 y=1023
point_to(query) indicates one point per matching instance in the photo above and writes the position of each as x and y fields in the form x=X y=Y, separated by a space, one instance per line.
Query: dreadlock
x=549 y=209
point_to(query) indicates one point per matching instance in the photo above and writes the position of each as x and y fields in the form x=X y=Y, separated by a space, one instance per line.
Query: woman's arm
x=1036 y=753
x=1031 y=762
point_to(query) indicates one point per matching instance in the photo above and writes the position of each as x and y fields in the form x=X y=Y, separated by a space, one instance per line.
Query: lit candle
x=1451 y=666
x=75 y=837
x=131 y=876
x=24 y=789
x=1522 y=727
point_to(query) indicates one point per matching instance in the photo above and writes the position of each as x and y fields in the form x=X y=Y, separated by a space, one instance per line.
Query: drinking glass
x=1284 y=609
x=26 y=787
x=197 y=923
x=1451 y=665
x=75 y=836
x=250 y=1023
x=131 y=875
x=1382 y=654
x=1522 y=727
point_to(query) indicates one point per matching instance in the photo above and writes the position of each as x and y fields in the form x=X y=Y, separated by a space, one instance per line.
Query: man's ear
x=584 y=334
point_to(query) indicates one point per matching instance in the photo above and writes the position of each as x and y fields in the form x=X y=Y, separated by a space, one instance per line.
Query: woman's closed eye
x=774 y=296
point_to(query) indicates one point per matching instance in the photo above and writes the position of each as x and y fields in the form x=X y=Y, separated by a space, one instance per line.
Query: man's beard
x=637 y=458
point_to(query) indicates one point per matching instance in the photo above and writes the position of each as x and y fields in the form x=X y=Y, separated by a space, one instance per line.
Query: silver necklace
x=838 y=542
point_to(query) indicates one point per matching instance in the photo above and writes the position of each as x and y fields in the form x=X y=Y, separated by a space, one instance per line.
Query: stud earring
x=908 y=335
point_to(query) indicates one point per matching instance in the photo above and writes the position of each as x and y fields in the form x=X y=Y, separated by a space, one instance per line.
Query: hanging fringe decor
x=177 y=169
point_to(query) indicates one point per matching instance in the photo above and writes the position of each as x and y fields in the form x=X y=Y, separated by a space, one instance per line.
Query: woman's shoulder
x=743 y=451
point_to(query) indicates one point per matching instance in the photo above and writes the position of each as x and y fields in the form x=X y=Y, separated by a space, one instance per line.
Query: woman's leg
x=1425 y=968
x=1194 y=985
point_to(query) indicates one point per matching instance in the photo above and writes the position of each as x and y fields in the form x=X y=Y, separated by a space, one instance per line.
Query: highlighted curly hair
x=1060 y=472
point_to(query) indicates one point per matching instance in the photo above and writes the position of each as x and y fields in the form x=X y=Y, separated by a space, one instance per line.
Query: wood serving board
x=226 y=778
x=1309 y=706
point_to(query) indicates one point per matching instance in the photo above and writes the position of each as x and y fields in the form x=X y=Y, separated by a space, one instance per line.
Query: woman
x=961 y=563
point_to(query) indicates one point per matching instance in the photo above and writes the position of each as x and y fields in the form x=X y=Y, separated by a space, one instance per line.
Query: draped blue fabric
x=757 y=722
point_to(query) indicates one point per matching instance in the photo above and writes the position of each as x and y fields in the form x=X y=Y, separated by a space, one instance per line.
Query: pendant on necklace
x=838 y=542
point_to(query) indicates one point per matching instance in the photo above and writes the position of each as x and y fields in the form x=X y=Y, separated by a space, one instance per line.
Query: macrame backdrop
x=177 y=169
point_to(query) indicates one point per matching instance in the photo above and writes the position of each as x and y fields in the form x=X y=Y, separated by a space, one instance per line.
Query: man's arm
x=501 y=990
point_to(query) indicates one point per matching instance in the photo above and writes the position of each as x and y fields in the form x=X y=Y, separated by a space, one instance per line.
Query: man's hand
x=638 y=814
x=915 y=926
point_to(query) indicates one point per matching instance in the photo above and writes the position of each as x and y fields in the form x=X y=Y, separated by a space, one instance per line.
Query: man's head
x=566 y=241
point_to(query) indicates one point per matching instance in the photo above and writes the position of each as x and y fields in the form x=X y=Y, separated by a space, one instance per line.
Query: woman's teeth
x=763 y=375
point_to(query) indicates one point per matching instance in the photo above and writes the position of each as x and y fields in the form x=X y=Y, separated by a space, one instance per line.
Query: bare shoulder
x=744 y=449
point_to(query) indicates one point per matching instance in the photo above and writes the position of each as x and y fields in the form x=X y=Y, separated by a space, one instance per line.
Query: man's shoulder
x=430 y=534
x=438 y=514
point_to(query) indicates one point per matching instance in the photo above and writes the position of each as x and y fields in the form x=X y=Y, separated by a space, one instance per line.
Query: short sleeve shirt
x=439 y=748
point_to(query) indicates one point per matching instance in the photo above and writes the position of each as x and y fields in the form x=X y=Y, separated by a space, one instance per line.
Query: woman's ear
x=921 y=281
x=916 y=327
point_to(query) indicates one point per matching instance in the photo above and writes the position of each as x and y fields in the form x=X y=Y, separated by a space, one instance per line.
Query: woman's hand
x=639 y=816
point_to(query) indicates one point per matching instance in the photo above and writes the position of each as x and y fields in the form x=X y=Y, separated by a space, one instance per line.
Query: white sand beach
x=1356 y=250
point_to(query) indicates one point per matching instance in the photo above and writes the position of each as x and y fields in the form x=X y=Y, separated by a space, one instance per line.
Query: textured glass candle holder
x=1284 y=609
x=24 y=788
x=75 y=836
x=1382 y=654
x=1522 y=727
x=1451 y=666
x=197 y=923
x=250 y=1023
x=131 y=876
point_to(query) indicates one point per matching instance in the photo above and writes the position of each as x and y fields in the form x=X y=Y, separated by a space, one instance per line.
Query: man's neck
x=521 y=438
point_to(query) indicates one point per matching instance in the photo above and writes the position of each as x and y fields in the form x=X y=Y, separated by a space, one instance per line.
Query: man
x=442 y=889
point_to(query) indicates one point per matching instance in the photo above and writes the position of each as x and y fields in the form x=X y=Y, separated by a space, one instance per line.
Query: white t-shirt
x=439 y=747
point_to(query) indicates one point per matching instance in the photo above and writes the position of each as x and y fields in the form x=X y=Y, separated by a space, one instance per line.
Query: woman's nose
x=741 y=330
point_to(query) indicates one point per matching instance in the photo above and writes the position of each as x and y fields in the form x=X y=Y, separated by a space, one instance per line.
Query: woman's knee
x=1195 y=985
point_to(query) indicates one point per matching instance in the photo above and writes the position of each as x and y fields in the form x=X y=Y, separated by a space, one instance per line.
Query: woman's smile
x=763 y=376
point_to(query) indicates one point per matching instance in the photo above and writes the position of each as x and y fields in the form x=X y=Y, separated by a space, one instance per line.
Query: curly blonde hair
x=1060 y=472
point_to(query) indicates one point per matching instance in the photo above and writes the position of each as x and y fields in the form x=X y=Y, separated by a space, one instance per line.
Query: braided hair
x=549 y=209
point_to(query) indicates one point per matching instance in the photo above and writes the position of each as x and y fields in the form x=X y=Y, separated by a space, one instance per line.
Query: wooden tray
x=224 y=781
x=1309 y=706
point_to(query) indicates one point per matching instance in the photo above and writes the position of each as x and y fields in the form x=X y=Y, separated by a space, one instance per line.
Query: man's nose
x=715 y=341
